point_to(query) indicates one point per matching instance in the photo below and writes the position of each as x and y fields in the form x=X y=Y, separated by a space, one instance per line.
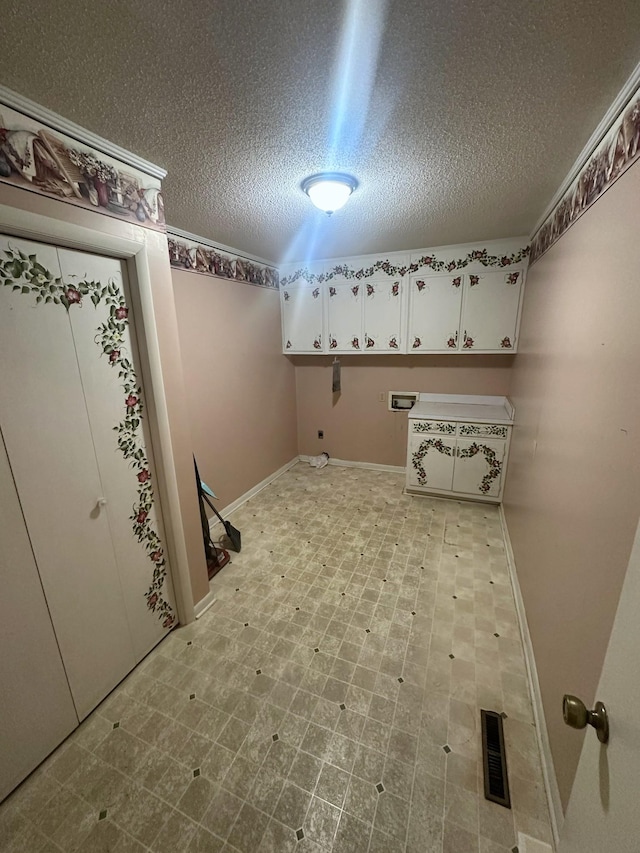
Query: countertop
x=463 y=407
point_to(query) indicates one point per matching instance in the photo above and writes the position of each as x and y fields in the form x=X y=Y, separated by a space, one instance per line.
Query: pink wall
x=357 y=426
x=240 y=388
x=573 y=490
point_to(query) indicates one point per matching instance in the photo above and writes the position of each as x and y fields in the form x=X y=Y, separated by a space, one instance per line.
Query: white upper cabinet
x=301 y=317
x=344 y=313
x=490 y=310
x=435 y=303
x=455 y=299
x=382 y=300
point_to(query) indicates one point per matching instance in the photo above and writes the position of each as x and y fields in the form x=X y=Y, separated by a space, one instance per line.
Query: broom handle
x=212 y=506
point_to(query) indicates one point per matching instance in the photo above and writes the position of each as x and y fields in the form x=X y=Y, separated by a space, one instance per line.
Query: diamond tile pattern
x=357 y=655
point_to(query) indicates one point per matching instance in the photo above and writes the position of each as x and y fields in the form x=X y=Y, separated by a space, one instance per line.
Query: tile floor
x=328 y=701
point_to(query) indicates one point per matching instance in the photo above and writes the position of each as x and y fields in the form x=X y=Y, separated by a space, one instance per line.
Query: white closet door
x=48 y=438
x=36 y=708
x=133 y=514
x=490 y=310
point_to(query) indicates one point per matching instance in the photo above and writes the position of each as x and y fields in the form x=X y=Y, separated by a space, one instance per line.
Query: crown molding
x=604 y=126
x=80 y=134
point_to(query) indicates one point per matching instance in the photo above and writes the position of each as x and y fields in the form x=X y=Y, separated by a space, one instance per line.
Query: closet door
x=36 y=708
x=133 y=514
x=49 y=443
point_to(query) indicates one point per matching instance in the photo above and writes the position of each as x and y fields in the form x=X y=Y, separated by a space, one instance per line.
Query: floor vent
x=494 y=759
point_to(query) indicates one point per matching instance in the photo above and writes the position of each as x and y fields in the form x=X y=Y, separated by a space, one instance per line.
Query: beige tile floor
x=331 y=693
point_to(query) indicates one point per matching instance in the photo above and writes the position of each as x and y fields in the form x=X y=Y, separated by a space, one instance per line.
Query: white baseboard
x=526 y=844
x=556 y=813
x=371 y=466
x=204 y=604
x=234 y=505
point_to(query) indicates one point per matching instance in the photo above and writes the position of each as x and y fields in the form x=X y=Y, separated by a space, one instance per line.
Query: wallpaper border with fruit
x=193 y=256
x=612 y=156
x=38 y=158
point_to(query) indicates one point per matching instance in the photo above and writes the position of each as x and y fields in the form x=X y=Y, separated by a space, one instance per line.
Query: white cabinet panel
x=490 y=311
x=434 y=312
x=430 y=462
x=383 y=315
x=36 y=708
x=345 y=316
x=302 y=317
x=478 y=466
x=105 y=391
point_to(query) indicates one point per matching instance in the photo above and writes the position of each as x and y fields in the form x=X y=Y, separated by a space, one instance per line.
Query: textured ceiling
x=460 y=118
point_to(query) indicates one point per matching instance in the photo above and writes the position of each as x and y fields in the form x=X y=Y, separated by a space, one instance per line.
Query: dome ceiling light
x=329 y=191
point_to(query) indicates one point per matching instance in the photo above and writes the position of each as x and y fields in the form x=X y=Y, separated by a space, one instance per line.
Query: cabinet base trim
x=417 y=491
x=554 y=803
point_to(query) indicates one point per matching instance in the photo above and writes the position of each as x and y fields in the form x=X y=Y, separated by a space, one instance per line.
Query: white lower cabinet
x=457 y=459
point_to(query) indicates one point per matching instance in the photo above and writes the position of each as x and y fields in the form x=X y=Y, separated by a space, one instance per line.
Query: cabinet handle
x=456 y=336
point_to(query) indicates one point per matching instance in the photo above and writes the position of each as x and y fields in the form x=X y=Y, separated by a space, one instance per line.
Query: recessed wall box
x=402 y=401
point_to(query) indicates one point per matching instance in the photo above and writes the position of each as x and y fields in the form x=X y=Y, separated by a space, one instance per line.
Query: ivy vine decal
x=480 y=256
x=438 y=426
x=512 y=277
x=457 y=281
x=416 y=342
x=355 y=343
x=421 y=452
x=393 y=343
x=370 y=290
x=488 y=429
x=473 y=280
x=25 y=274
x=395 y=288
x=495 y=465
x=505 y=343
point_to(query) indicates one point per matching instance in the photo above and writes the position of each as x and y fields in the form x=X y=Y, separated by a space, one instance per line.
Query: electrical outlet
x=381 y=397
x=320 y=433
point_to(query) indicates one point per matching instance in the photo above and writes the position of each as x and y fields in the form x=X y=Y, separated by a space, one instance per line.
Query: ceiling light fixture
x=329 y=191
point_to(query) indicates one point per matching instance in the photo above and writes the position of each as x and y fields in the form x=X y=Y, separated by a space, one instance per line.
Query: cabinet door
x=430 y=462
x=302 y=318
x=434 y=312
x=478 y=466
x=490 y=311
x=345 y=316
x=382 y=315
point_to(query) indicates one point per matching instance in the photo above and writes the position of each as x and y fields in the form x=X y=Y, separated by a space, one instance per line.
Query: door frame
x=133 y=250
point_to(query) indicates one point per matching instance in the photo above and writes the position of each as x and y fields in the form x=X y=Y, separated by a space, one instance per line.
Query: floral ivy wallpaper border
x=618 y=150
x=24 y=274
x=36 y=158
x=476 y=256
x=197 y=257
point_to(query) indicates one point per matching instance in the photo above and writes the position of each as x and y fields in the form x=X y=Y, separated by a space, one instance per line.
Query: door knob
x=577 y=716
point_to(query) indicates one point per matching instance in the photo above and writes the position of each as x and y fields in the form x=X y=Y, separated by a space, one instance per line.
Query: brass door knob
x=577 y=716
